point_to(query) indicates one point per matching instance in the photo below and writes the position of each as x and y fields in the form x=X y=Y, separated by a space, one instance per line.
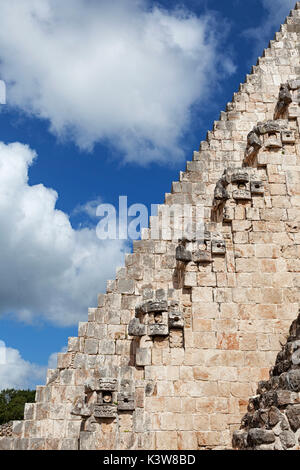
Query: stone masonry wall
x=176 y=346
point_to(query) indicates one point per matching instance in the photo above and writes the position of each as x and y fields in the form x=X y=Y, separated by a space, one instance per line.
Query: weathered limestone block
x=254 y=140
x=158 y=329
x=272 y=140
x=109 y=384
x=176 y=338
x=239 y=440
x=135 y=328
x=220 y=192
x=293 y=111
x=218 y=247
x=69 y=444
x=293 y=415
x=228 y=214
x=257 y=187
x=183 y=255
x=202 y=256
x=143 y=357
x=126 y=401
x=294 y=84
x=240 y=176
x=257 y=436
x=176 y=319
x=91 y=346
x=126 y=286
x=153 y=306
x=81 y=408
x=73 y=344
x=287 y=439
x=292 y=380
x=285 y=96
x=288 y=137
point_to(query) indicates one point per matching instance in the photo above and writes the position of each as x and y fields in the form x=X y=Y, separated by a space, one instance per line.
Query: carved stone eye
x=107 y=397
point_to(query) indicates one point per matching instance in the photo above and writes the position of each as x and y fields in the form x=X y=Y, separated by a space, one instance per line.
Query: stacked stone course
x=190 y=325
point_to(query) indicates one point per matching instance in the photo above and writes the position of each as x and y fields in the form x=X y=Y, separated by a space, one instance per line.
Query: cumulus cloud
x=276 y=12
x=89 y=208
x=15 y=372
x=47 y=268
x=119 y=72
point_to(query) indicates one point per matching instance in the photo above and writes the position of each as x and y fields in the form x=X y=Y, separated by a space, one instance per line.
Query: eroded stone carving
x=288 y=100
x=273 y=417
x=126 y=401
x=108 y=384
x=103 y=398
x=105 y=411
x=81 y=408
x=257 y=187
x=176 y=338
x=200 y=249
x=176 y=319
x=153 y=306
x=241 y=185
x=266 y=135
x=135 y=328
x=155 y=318
x=284 y=99
x=158 y=329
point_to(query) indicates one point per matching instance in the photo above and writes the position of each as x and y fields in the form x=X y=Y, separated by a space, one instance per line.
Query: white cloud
x=89 y=208
x=276 y=12
x=117 y=72
x=47 y=268
x=15 y=372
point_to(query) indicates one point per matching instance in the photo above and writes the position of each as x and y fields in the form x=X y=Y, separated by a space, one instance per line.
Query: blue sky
x=113 y=99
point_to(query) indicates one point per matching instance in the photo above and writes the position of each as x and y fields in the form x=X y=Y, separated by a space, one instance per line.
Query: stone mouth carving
x=105 y=411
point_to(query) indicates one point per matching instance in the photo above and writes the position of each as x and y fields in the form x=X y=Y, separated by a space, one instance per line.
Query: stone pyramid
x=195 y=319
